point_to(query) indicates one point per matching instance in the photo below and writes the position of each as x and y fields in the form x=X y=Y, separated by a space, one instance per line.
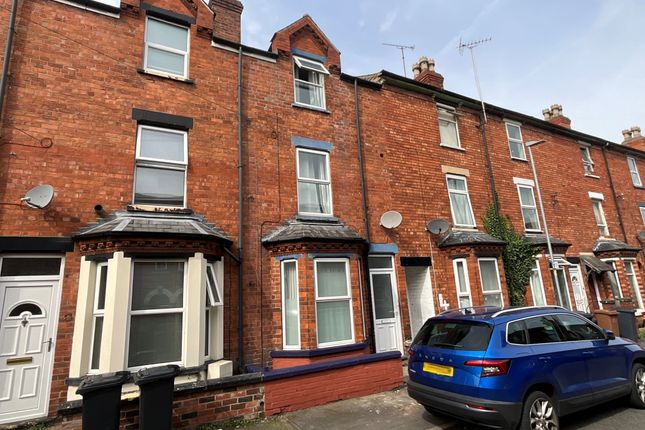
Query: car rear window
x=463 y=335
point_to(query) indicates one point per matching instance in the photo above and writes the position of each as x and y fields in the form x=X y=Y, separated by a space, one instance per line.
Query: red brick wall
x=190 y=411
x=306 y=391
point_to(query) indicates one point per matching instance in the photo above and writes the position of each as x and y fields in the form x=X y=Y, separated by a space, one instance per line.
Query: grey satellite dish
x=391 y=219
x=438 y=226
x=39 y=197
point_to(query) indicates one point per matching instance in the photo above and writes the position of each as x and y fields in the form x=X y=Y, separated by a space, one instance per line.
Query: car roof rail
x=471 y=310
x=523 y=308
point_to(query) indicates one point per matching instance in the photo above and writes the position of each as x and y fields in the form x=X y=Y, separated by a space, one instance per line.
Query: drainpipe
x=7 y=53
x=489 y=165
x=240 y=170
x=362 y=163
x=613 y=192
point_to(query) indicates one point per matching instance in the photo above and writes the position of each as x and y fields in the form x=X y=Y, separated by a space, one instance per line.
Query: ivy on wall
x=518 y=255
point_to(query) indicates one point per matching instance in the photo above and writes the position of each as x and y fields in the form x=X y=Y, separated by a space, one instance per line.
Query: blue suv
x=520 y=367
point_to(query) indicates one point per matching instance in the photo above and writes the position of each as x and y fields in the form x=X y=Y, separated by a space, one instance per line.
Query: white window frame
x=157 y=312
x=642 y=211
x=510 y=140
x=347 y=298
x=209 y=310
x=147 y=44
x=96 y=312
x=301 y=63
x=470 y=205
x=632 y=275
x=468 y=293
x=633 y=172
x=499 y=281
x=587 y=162
x=612 y=263
x=525 y=206
x=315 y=181
x=284 y=319
x=453 y=112
x=541 y=286
x=605 y=227
x=156 y=163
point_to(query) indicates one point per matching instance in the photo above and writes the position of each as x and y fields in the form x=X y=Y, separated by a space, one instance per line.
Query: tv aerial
x=391 y=219
x=471 y=46
x=39 y=197
x=402 y=48
x=438 y=226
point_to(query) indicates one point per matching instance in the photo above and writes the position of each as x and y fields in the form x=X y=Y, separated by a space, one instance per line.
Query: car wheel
x=637 y=398
x=539 y=413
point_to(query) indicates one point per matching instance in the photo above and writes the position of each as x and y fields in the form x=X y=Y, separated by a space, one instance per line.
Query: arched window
x=32 y=308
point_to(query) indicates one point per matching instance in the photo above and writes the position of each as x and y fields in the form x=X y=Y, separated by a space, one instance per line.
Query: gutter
x=7 y=53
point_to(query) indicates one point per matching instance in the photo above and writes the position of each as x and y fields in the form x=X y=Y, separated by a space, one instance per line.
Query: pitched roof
x=540 y=240
x=603 y=245
x=148 y=223
x=300 y=229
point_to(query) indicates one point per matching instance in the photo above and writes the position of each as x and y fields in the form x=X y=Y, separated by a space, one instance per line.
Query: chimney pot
x=636 y=131
x=547 y=114
x=416 y=69
x=627 y=134
x=423 y=63
x=431 y=64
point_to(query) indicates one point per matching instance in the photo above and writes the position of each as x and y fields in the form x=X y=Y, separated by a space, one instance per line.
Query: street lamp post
x=552 y=263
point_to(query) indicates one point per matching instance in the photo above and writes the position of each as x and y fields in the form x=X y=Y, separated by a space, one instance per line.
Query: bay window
x=213 y=303
x=463 y=283
x=156 y=313
x=98 y=314
x=491 y=285
x=290 y=305
x=633 y=283
x=314 y=183
x=334 y=316
x=537 y=286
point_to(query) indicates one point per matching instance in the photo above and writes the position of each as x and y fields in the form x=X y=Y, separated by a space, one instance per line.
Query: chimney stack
x=226 y=23
x=424 y=71
x=633 y=138
x=554 y=115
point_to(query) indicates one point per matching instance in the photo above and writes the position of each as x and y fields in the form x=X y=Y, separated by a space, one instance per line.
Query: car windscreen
x=462 y=335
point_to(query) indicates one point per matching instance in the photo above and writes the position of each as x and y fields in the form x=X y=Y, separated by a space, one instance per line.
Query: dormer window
x=166 y=49
x=309 y=82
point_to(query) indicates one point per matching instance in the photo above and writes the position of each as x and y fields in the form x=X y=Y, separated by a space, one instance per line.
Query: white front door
x=579 y=295
x=420 y=301
x=26 y=354
x=385 y=305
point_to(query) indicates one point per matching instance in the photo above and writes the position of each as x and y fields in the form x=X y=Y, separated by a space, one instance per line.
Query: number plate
x=438 y=369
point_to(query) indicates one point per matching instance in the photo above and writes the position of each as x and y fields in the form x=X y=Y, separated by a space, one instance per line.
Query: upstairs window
x=529 y=210
x=587 y=163
x=314 y=185
x=601 y=222
x=633 y=171
x=448 y=127
x=161 y=162
x=309 y=82
x=515 y=142
x=462 y=211
x=642 y=210
x=166 y=48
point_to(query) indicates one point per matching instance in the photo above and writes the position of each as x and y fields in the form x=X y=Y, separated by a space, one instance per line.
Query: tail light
x=491 y=367
x=410 y=354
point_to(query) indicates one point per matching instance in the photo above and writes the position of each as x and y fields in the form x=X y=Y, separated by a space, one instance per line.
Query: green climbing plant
x=518 y=255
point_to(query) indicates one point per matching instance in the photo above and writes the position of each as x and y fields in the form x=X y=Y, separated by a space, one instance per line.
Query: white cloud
x=390 y=17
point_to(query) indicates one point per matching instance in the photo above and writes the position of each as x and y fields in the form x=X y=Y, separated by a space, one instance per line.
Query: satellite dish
x=39 y=197
x=391 y=219
x=438 y=226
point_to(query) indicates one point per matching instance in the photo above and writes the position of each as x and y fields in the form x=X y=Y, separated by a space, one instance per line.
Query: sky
x=587 y=55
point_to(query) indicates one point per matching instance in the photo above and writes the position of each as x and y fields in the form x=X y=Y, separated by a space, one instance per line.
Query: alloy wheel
x=542 y=414
x=639 y=381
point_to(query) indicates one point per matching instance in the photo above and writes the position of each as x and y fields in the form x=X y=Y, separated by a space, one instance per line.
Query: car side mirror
x=610 y=335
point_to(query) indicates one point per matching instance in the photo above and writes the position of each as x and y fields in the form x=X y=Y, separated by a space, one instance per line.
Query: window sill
x=313 y=108
x=524 y=160
x=166 y=76
x=324 y=218
x=319 y=351
x=589 y=175
x=456 y=148
x=529 y=232
x=164 y=209
x=465 y=228
x=640 y=187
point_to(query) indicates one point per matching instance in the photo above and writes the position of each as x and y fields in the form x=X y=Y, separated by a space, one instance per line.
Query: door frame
x=396 y=304
x=54 y=313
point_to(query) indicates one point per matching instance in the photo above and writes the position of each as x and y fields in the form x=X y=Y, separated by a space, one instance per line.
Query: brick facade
x=68 y=121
